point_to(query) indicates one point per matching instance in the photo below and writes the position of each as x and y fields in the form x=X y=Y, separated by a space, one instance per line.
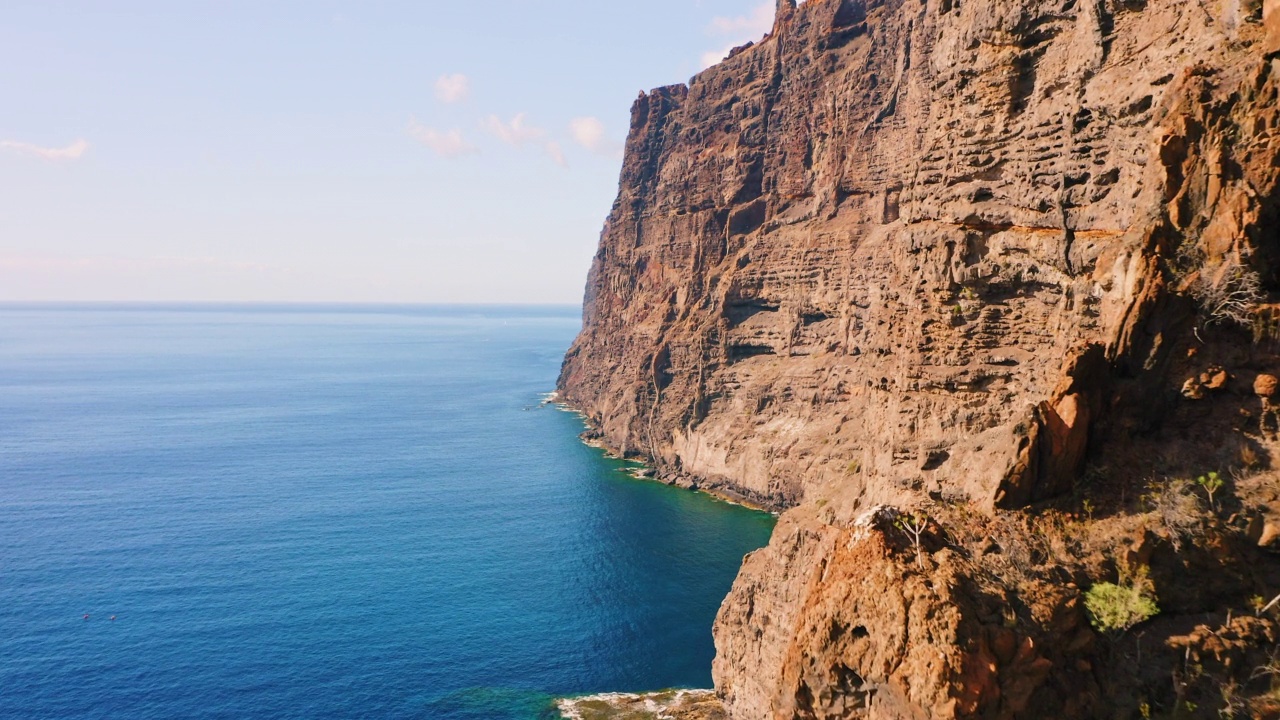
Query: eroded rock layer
x=942 y=254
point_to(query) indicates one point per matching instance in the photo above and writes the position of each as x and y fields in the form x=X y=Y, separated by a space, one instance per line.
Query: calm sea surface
x=330 y=513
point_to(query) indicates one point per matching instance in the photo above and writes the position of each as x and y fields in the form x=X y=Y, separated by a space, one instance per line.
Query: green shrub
x=1116 y=608
x=1211 y=483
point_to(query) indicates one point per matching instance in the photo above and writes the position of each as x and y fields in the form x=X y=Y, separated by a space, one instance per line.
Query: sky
x=329 y=150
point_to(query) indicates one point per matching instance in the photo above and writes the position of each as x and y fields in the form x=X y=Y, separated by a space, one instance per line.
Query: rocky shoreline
x=644 y=470
x=665 y=705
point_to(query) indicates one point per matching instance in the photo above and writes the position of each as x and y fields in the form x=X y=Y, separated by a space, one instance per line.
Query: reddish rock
x=1265 y=386
x=901 y=251
x=1271 y=19
x=1004 y=643
x=1270 y=535
x=1215 y=378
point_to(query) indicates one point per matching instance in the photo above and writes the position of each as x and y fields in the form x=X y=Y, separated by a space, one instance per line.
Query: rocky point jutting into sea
x=984 y=295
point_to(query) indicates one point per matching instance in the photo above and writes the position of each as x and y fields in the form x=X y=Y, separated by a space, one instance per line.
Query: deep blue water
x=330 y=513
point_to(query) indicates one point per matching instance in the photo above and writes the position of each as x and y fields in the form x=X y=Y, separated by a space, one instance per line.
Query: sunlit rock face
x=905 y=252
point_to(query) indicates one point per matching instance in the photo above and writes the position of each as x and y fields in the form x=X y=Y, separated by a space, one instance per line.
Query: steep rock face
x=875 y=240
x=1273 y=26
x=925 y=251
x=863 y=629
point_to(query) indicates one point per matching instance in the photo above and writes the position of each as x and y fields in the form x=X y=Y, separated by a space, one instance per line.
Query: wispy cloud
x=740 y=29
x=74 y=151
x=557 y=154
x=589 y=133
x=711 y=57
x=754 y=24
x=447 y=143
x=452 y=89
x=518 y=132
x=64 y=263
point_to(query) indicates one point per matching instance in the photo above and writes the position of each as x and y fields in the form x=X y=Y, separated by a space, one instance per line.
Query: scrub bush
x=1115 y=608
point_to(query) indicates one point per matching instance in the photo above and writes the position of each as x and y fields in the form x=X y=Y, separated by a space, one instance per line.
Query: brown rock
x=1265 y=385
x=1254 y=529
x=1270 y=535
x=1053 y=449
x=903 y=250
x=1067 y=421
x=1215 y=378
x=853 y=642
x=1004 y=643
x=1271 y=19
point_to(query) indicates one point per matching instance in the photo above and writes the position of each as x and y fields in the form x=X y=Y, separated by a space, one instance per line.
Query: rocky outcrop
x=871 y=628
x=1273 y=26
x=940 y=253
x=666 y=705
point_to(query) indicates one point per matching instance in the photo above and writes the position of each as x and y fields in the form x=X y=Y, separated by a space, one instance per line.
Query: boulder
x=1265 y=385
x=1215 y=378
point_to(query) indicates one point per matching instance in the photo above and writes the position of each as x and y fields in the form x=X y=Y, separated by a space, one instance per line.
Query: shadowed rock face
x=906 y=250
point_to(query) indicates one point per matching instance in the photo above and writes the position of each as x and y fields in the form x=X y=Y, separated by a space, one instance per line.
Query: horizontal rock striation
x=943 y=252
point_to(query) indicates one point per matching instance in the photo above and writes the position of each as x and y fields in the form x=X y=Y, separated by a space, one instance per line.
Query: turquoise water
x=329 y=513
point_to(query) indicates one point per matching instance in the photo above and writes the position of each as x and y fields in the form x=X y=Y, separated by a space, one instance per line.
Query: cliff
x=998 y=272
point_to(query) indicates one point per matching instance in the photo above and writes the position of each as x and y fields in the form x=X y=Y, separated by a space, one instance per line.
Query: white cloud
x=517 y=132
x=589 y=133
x=514 y=132
x=557 y=154
x=740 y=29
x=711 y=57
x=74 y=151
x=453 y=88
x=751 y=26
x=448 y=143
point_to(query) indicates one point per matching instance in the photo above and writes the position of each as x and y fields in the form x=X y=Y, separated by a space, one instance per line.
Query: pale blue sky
x=379 y=151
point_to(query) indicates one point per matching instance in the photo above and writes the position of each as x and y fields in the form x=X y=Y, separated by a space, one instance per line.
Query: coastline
x=662 y=705
x=646 y=470
x=671 y=704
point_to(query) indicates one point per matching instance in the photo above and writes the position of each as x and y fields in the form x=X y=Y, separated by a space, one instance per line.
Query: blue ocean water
x=330 y=513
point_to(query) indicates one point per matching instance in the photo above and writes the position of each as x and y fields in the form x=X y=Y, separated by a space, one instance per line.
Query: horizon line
x=277 y=303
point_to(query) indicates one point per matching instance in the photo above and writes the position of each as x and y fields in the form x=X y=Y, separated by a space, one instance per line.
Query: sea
x=330 y=512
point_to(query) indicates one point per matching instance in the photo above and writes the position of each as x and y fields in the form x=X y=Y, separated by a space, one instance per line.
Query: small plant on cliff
x=1265 y=607
x=1228 y=295
x=1211 y=484
x=1176 y=507
x=1269 y=670
x=914 y=525
x=1115 y=608
x=1234 y=704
